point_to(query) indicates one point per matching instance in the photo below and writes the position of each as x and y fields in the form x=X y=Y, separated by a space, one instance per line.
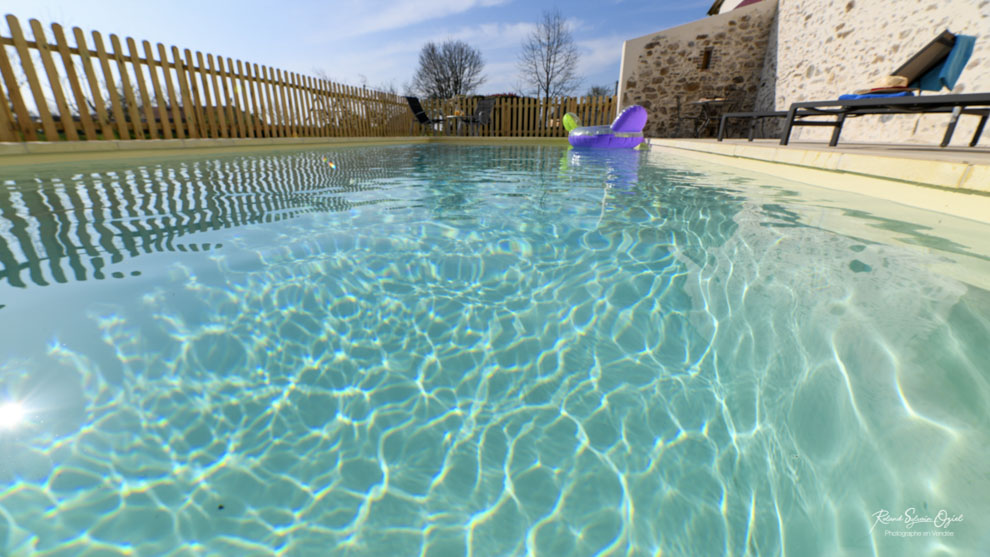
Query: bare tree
x=451 y=69
x=549 y=58
x=599 y=91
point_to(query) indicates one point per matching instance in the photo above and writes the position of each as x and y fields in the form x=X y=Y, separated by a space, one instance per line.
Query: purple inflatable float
x=626 y=132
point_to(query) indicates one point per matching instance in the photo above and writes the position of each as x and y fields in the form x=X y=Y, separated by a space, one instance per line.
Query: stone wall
x=664 y=72
x=766 y=95
x=824 y=49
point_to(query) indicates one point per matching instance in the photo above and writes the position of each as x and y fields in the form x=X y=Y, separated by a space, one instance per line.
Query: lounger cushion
x=947 y=72
x=927 y=58
x=852 y=97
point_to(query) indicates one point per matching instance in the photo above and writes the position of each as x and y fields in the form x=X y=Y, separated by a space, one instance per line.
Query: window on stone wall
x=706 y=58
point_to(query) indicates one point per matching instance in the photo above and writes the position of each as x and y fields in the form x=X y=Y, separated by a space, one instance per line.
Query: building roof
x=717 y=6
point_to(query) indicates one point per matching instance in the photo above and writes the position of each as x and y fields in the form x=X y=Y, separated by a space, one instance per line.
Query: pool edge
x=873 y=175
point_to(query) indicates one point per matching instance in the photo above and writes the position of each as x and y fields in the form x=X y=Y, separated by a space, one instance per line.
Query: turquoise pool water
x=453 y=350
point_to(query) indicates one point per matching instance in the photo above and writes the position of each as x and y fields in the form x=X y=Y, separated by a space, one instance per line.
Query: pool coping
x=956 y=188
x=932 y=167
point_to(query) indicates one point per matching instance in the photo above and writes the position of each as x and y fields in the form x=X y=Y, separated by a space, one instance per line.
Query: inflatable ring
x=626 y=131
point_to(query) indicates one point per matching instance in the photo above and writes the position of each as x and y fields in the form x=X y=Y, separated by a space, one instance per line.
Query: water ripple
x=498 y=351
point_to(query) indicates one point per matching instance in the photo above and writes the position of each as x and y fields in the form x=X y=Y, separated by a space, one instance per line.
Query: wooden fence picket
x=278 y=99
x=252 y=121
x=308 y=106
x=142 y=87
x=14 y=95
x=304 y=95
x=116 y=106
x=64 y=114
x=195 y=100
x=359 y=115
x=125 y=84
x=230 y=96
x=520 y=117
x=284 y=116
x=349 y=117
x=253 y=72
x=188 y=104
x=276 y=109
x=314 y=88
x=94 y=84
x=160 y=102
x=354 y=112
x=271 y=123
x=340 y=122
x=209 y=107
x=526 y=124
x=244 y=117
x=544 y=117
x=221 y=104
x=41 y=104
x=322 y=114
x=367 y=110
x=181 y=126
x=281 y=81
x=264 y=102
x=6 y=119
x=296 y=111
x=290 y=103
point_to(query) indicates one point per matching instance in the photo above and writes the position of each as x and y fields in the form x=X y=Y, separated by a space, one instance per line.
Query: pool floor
x=482 y=350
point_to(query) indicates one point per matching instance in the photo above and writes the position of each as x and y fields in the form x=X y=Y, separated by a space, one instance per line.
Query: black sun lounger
x=481 y=116
x=421 y=116
x=924 y=70
x=933 y=68
x=751 y=116
x=976 y=104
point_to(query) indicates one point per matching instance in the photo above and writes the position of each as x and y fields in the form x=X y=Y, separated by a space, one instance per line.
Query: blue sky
x=373 y=42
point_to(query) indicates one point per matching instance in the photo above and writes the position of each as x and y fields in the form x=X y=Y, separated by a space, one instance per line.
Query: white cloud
x=503 y=77
x=361 y=17
x=599 y=54
x=493 y=35
x=395 y=61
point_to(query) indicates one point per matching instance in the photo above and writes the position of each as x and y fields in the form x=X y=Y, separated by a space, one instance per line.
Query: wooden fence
x=526 y=117
x=88 y=91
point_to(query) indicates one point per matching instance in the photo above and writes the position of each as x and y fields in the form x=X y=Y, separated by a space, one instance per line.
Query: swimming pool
x=494 y=350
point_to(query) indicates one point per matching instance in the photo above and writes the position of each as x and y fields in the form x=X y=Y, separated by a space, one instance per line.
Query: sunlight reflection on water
x=486 y=350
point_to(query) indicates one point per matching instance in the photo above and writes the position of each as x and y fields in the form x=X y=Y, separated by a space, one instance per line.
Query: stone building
x=785 y=51
x=667 y=71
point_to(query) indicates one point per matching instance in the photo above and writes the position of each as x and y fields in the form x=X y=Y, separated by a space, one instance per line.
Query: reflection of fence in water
x=71 y=226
